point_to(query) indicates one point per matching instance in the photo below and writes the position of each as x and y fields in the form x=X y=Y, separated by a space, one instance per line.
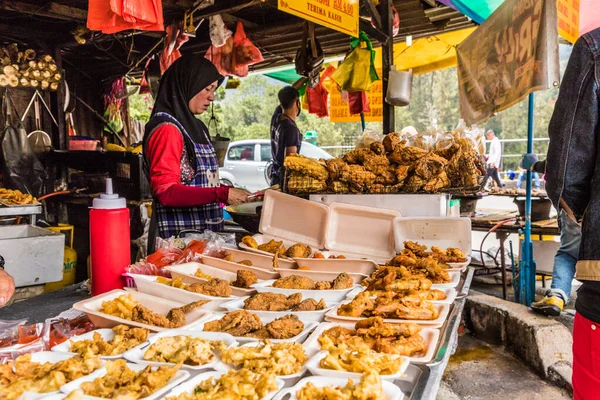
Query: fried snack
x=245 y=279
x=121 y=307
x=390 y=141
x=236 y=323
x=272 y=302
x=175 y=282
x=361 y=305
x=378 y=148
x=272 y=246
x=123 y=383
x=342 y=281
x=202 y=275
x=359 y=358
x=214 y=287
x=387 y=177
x=247 y=263
x=310 y=305
x=436 y=183
x=285 y=327
x=414 y=183
x=24 y=375
x=184 y=349
x=369 y=388
x=299 y=250
x=295 y=282
x=284 y=358
x=357 y=156
x=402 y=172
x=16 y=197
x=241 y=384
x=250 y=242
x=374 y=327
x=306 y=166
x=407 y=155
x=406 y=307
x=357 y=177
x=338 y=187
x=376 y=164
x=336 y=167
x=305 y=184
x=430 y=166
x=322 y=285
x=231 y=257
x=125 y=339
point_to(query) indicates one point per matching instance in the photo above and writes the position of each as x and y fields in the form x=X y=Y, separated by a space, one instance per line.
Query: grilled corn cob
x=306 y=166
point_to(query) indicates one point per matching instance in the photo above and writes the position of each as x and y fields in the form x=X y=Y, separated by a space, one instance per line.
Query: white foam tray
x=308 y=327
x=106 y=334
x=392 y=392
x=454 y=281
x=359 y=230
x=443 y=232
x=315 y=369
x=443 y=310
x=187 y=271
x=190 y=385
x=309 y=316
x=92 y=307
x=450 y=295
x=330 y=296
x=136 y=355
x=260 y=260
x=149 y=285
x=179 y=377
x=430 y=335
x=321 y=275
x=235 y=267
x=349 y=264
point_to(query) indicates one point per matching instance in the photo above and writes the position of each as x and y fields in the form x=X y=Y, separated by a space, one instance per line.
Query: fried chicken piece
x=215 y=287
x=407 y=155
x=306 y=166
x=272 y=246
x=435 y=272
x=414 y=183
x=357 y=156
x=378 y=148
x=236 y=323
x=176 y=316
x=387 y=177
x=262 y=334
x=402 y=346
x=231 y=257
x=456 y=255
x=342 y=281
x=299 y=250
x=402 y=260
x=448 y=152
x=415 y=247
x=322 y=285
x=338 y=334
x=336 y=167
x=358 y=178
x=401 y=285
x=245 y=279
x=430 y=166
x=272 y=302
x=310 y=305
x=144 y=315
x=374 y=327
x=338 y=187
x=402 y=172
x=250 y=242
x=246 y=262
x=362 y=305
x=390 y=141
x=380 y=279
x=430 y=295
x=376 y=164
x=436 y=183
x=407 y=308
x=295 y=282
x=285 y=327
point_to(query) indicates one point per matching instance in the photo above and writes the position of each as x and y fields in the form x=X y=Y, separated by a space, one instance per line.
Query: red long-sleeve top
x=165 y=149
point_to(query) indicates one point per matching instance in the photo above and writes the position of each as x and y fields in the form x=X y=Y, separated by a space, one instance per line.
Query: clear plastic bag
x=368 y=137
x=218 y=31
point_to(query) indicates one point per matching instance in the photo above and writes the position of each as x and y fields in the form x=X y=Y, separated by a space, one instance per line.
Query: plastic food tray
x=235 y=267
x=308 y=316
x=136 y=355
x=350 y=265
x=149 y=285
x=187 y=271
x=454 y=280
x=430 y=335
x=364 y=231
x=308 y=327
x=321 y=275
x=93 y=306
x=330 y=296
x=294 y=219
x=316 y=370
x=440 y=232
x=106 y=334
x=443 y=310
x=260 y=260
x=392 y=392
x=450 y=295
x=179 y=377
x=190 y=385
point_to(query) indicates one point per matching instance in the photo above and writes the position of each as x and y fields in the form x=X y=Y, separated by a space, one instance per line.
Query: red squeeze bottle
x=109 y=241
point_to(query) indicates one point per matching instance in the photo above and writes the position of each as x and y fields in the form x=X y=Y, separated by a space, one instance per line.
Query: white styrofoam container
x=32 y=255
x=441 y=232
x=454 y=281
x=299 y=338
x=293 y=219
x=187 y=271
x=443 y=311
x=308 y=316
x=234 y=267
x=330 y=296
x=190 y=385
x=391 y=391
x=261 y=260
x=430 y=335
x=106 y=334
x=349 y=265
x=322 y=275
x=149 y=285
x=362 y=231
x=93 y=306
x=136 y=355
x=315 y=369
x=450 y=295
x=179 y=377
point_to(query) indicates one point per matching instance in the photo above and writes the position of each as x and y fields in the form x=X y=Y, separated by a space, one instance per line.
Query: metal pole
x=363 y=125
x=387 y=16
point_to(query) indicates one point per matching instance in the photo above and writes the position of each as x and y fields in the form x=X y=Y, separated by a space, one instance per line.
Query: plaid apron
x=172 y=220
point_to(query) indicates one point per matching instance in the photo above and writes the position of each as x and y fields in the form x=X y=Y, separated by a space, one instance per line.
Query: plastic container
x=314 y=367
x=83 y=145
x=364 y=267
x=440 y=232
x=321 y=275
x=330 y=296
x=261 y=260
x=235 y=267
x=308 y=316
x=391 y=391
x=187 y=271
x=109 y=241
x=70 y=259
x=106 y=334
x=450 y=295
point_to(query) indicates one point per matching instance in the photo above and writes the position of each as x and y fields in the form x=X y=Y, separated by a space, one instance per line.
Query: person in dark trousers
x=572 y=185
x=286 y=138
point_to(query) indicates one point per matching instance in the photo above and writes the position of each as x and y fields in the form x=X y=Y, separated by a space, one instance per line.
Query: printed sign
x=338 y=108
x=340 y=15
x=568 y=19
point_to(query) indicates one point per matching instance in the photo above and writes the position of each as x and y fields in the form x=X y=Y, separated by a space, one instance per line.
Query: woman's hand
x=237 y=196
x=7 y=287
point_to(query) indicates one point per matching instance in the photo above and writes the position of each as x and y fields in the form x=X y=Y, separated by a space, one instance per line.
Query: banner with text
x=341 y=15
x=513 y=53
x=568 y=19
x=338 y=108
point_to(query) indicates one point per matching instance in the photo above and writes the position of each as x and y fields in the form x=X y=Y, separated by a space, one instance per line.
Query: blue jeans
x=523 y=177
x=565 y=259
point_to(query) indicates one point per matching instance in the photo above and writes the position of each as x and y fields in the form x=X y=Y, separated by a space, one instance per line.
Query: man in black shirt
x=286 y=138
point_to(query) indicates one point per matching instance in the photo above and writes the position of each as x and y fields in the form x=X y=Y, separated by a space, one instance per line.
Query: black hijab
x=184 y=79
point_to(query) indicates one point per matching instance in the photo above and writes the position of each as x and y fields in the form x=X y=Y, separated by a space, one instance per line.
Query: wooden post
x=389 y=124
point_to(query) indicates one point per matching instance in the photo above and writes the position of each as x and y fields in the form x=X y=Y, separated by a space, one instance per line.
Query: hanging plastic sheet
x=111 y=16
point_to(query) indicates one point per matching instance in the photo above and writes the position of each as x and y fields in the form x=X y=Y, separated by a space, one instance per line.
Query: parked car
x=247 y=161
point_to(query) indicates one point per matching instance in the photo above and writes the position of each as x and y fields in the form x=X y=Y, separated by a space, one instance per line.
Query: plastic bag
x=358 y=102
x=245 y=53
x=22 y=170
x=368 y=137
x=317 y=97
x=218 y=31
x=222 y=57
x=173 y=41
x=111 y=16
x=357 y=72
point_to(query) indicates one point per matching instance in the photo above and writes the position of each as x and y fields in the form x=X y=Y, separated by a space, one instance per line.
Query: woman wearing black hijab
x=182 y=164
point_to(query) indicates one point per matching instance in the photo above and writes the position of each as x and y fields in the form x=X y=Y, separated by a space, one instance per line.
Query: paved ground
x=479 y=371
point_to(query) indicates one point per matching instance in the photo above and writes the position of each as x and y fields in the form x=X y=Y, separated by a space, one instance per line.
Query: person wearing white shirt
x=494 y=158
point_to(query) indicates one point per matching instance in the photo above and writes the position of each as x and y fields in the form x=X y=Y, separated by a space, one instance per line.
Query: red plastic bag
x=317 y=97
x=111 y=16
x=173 y=41
x=222 y=57
x=358 y=102
x=245 y=53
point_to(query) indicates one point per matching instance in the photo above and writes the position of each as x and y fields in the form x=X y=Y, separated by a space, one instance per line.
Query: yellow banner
x=340 y=15
x=568 y=19
x=339 y=111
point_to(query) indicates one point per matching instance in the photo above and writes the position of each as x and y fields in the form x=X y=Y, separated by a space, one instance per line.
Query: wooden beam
x=225 y=6
x=373 y=32
x=375 y=17
x=50 y=10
